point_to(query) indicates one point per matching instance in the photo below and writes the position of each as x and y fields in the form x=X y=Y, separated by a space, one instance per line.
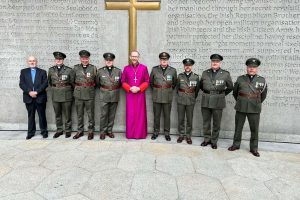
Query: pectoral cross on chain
x=135 y=79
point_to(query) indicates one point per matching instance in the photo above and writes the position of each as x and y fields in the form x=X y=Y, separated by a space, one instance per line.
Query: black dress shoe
x=57 y=134
x=78 y=135
x=111 y=135
x=189 y=140
x=90 y=136
x=44 y=134
x=102 y=136
x=168 y=138
x=154 y=136
x=28 y=137
x=255 y=153
x=68 y=134
x=180 y=139
x=214 y=146
x=204 y=143
x=233 y=148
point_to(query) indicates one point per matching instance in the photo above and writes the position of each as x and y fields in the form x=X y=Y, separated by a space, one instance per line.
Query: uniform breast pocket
x=193 y=83
x=221 y=84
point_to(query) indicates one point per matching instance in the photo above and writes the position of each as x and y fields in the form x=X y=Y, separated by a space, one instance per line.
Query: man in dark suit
x=33 y=82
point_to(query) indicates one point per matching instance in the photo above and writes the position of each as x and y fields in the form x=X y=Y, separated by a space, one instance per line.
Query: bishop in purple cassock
x=135 y=81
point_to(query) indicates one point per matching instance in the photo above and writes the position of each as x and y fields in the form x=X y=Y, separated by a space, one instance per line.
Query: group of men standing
x=80 y=82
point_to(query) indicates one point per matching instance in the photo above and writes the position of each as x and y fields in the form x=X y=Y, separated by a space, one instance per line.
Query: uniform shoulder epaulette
x=75 y=66
x=182 y=73
x=224 y=70
x=196 y=74
x=68 y=67
x=155 y=66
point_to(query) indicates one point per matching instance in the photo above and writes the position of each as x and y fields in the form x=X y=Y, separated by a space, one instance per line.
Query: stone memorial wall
x=236 y=29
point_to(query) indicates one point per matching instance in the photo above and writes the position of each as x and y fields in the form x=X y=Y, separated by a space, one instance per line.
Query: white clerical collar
x=187 y=73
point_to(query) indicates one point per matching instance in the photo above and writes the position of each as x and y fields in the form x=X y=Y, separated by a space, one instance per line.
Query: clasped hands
x=135 y=89
x=33 y=94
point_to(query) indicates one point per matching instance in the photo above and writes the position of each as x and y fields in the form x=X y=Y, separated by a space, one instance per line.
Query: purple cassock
x=136 y=111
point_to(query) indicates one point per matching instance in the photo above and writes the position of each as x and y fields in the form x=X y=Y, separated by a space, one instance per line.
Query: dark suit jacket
x=40 y=84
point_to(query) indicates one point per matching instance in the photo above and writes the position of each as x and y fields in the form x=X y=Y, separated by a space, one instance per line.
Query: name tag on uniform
x=181 y=80
x=103 y=76
x=117 y=78
x=88 y=74
x=169 y=77
x=193 y=83
x=219 y=82
x=258 y=84
x=64 y=77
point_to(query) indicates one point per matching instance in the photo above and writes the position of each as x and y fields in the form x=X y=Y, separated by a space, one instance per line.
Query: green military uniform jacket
x=163 y=84
x=187 y=88
x=109 y=84
x=215 y=88
x=249 y=95
x=85 y=82
x=61 y=83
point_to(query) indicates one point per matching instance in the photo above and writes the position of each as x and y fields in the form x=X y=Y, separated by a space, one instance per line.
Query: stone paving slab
x=109 y=184
x=121 y=169
x=63 y=183
x=154 y=185
x=200 y=187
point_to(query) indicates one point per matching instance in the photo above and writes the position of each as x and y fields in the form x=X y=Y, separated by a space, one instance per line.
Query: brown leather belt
x=186 y=90
x=115 y=87
x=249 y=95
x=213 y=92
x=161 y=86
x=86 y=84
x=61 y=85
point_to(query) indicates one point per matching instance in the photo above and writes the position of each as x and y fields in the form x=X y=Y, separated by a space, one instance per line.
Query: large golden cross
x=132 y=6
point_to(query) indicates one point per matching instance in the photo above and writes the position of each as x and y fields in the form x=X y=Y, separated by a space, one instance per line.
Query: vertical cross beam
x=132 y=6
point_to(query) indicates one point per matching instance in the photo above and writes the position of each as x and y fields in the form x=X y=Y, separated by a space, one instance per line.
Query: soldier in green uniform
x=249 y=91
x=163 y=80
x=84 y=93
x=215 y=83
x=188 y=86
x=109 y=81
x=60 y=77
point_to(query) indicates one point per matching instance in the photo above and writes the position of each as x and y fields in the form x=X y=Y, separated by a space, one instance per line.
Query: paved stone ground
x=121 y=169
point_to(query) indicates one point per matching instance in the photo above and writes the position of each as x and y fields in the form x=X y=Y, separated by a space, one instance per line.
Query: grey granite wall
x=237 y=29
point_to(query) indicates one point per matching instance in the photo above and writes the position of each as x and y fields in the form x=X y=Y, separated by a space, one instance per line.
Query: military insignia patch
x=169 y=77
x=64 y=77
